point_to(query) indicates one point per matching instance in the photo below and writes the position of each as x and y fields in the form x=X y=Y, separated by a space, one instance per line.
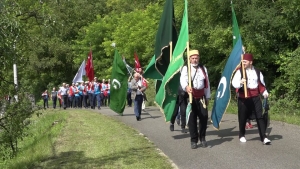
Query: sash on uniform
x=198 y=93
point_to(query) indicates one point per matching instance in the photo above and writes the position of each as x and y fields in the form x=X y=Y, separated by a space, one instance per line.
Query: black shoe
x=183 y=130
x=193 y=145
x=172 y=127
x=178 y=122
x=203 y=143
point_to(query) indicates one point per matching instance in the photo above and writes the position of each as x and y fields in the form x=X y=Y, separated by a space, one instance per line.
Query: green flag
x=166 y=34
x=157 y=85
x=235 y=27
x=223 y=92
x=167 y=93
x=118 y=84
x=151 y=71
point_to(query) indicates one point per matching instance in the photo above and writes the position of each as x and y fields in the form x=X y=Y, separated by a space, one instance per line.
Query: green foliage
x=13 y=123
x=38 y=144
x=150 y=92
x=49 y=39
x=134 y=32
x=286 y=87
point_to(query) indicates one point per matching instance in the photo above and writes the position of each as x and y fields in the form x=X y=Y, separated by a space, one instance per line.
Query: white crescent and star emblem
x=116 y=84
x=224 y=82
x=234 y=37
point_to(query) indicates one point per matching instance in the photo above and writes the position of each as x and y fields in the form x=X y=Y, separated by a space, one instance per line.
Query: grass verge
x=39 y=143
x=88 y=140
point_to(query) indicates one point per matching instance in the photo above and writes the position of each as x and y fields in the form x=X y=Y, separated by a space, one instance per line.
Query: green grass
x=40 y=140
x=85 y=139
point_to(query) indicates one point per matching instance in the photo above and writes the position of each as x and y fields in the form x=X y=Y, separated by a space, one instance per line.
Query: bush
x=13 y=124
x=150 y=92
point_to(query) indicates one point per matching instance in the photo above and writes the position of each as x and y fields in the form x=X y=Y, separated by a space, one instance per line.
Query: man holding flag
x=137 y=92
x=250 y=84
x=139 y=70
x=200 y=90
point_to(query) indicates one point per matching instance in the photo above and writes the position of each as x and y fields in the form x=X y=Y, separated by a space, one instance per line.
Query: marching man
x=254 y=85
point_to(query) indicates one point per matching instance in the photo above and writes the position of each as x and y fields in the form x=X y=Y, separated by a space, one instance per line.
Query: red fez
x=248 y=56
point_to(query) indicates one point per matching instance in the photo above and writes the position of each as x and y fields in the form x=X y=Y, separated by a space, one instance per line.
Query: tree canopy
x=49 y=39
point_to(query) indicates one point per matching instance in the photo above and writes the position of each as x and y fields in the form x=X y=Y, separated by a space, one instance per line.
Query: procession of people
x=96 y=93
x=89 y=94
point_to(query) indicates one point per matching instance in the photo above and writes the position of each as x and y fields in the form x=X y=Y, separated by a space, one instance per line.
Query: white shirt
x=197 y=80
x=251 y=79
x=63 y=90
x=140 y=82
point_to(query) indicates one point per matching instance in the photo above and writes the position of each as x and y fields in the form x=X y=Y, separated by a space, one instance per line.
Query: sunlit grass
x=87 y=140
x=39 y=143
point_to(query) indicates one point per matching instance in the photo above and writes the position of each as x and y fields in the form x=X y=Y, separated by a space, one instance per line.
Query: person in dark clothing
x=250 y=87
x=45 y=96
x=54 y=97
x=129 y=100
x=179 y=113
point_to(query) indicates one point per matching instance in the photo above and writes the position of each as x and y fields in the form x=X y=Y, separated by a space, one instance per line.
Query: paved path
x=224 y=150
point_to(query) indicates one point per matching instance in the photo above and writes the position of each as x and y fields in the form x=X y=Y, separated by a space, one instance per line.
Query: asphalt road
x=224 y=150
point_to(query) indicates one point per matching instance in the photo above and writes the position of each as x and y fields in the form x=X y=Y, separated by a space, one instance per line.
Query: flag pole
x=244 y=76
x=171 y=47
x=189 y=70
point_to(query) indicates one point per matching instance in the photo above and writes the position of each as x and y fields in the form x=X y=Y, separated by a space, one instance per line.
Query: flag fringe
x=159 y=57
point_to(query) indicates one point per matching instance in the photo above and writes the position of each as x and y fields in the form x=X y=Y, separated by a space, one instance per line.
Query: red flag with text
x=144 y=81
x=137 y=62
x=89 y=68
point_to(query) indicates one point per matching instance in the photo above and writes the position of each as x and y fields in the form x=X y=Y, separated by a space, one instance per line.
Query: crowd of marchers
x=88 y=94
